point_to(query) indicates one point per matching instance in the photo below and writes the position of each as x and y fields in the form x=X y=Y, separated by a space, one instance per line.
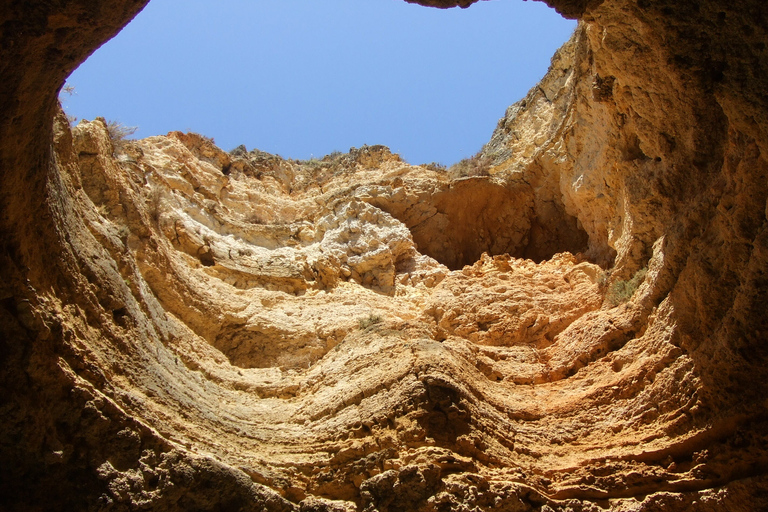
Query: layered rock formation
x=581 y=326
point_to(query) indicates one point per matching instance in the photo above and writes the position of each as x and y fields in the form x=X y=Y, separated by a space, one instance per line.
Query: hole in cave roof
x=303 y=79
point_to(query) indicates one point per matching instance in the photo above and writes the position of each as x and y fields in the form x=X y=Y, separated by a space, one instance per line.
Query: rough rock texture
x=584 y=328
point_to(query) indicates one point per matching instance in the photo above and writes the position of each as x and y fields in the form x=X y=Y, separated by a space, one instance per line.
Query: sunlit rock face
x=580 y=326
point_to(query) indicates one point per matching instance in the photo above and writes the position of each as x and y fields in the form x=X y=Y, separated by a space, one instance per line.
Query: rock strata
x=579 y=325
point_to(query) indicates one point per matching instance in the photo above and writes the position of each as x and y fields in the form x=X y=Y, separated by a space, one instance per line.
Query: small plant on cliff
x=119 y=133
x=477 y=165
x=312 y=162
x=436 y=166
x=603 y=278
x=154 y=198
x=365 y=323
x=621 y=291
x=256 y=218
x=70 y=91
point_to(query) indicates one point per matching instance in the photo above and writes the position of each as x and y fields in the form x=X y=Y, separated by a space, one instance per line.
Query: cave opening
x=305 y=79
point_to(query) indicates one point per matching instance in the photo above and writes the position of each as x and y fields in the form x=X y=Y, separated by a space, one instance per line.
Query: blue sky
x=303 y=78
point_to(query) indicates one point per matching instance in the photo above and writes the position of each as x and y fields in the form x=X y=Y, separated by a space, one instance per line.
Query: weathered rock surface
x=582 y=326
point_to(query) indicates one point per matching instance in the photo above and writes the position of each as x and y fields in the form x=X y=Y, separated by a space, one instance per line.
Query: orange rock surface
x=578 y=325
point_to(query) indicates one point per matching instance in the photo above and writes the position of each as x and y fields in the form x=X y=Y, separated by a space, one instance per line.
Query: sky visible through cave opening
x=303 y=78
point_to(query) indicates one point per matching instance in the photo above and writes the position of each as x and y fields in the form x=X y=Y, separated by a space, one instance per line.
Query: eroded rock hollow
x=581 y=326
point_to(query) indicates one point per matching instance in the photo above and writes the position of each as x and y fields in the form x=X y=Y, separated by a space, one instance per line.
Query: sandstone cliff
x=578 y=325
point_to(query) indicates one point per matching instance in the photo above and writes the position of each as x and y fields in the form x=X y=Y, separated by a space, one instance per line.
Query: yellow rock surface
x=577 y=323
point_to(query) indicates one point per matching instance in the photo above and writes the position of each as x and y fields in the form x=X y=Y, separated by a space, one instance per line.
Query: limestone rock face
x=581 y=326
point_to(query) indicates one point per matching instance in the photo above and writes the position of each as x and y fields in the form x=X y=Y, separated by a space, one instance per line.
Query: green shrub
x=312 y=162
x=372 y=319
x=621 y=291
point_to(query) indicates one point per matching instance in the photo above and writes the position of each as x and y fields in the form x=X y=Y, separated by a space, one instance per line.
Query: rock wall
x=186 y=329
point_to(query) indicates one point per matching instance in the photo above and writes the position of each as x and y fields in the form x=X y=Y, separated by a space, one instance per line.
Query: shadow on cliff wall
x=480 y=214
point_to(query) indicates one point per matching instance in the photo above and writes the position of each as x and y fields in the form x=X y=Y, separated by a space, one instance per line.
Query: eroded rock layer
x=578 y=325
